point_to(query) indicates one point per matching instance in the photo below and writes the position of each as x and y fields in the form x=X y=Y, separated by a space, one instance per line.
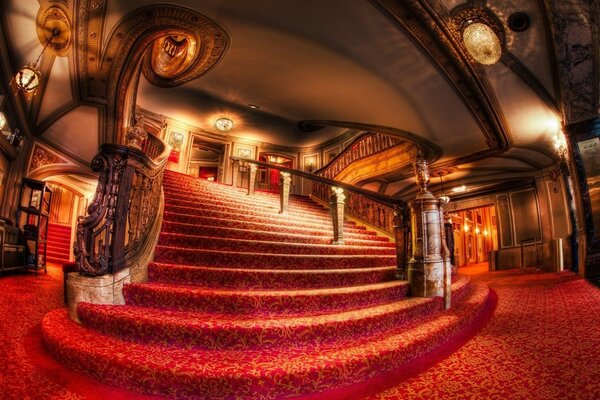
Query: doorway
x=268 y=179
x=206 y=160
x=475 y=235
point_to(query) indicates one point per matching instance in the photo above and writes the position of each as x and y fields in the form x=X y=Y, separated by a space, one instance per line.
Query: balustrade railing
x=380 y=211
x=125 y=206
x=364 y=146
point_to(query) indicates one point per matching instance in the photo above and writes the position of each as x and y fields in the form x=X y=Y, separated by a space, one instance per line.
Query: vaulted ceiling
x=383 y=65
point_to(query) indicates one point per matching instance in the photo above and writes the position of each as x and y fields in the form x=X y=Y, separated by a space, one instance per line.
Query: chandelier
x=480 y=33
x=224 y=124
x=482 y=43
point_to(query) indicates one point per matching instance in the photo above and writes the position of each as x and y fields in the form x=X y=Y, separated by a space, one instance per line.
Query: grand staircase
x=243 y=302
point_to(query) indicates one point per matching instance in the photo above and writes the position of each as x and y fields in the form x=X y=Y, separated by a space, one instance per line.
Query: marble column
x=401 y=228
x=427 y=273
x=336 y=202
x=284 y=191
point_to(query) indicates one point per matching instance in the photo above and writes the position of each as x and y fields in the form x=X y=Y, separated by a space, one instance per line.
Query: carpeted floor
x=541 y=343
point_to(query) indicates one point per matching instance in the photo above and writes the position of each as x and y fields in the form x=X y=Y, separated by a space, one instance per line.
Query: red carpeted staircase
x=245 y=303
x=58 y=243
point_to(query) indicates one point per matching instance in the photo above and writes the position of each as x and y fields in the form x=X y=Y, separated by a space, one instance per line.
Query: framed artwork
x=175 y=141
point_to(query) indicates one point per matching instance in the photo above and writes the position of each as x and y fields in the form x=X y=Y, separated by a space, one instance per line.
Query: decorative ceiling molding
x=429 y=26
x=43 y=156
x=106 y=69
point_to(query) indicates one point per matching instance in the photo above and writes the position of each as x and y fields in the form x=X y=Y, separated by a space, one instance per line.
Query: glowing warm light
x=485 y=232
x=482 y=43
x=224 y=124
x=2 y=121
x=28 y=79
x=477 y=231
x=459 y=189
x=560 y=144
x=276 y=160
x=466 y=227
x=210 y=178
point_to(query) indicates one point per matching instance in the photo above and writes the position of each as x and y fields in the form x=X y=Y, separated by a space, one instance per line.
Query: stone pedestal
x=429 y=269
x=106 y=289
x=337 y=200
x=252 y=178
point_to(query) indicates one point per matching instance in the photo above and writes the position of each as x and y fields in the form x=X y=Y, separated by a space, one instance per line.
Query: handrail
x=363 y=146
x=125 y=206
x=363 y=192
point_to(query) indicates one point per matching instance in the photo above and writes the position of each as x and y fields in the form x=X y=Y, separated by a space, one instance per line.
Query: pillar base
x=105 y=289
x=426 y=278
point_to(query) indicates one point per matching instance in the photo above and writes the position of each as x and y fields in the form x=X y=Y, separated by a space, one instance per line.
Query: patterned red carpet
x=541 y=343
x=243 y=302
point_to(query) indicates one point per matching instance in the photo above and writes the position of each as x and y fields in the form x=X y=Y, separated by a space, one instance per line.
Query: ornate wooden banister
x=363 y=146
x=381 y=211
x=125 y=206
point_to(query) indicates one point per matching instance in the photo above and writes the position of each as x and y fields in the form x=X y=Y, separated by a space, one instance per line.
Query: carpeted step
x=267 y=279
x=193 y=226
x=272 y=247
x=262 y=302
x=241 y=221
x=265 y=235
x=257 y=217
x=231 y=259
x=260 y=374
x=186 y=199
x=222 y=332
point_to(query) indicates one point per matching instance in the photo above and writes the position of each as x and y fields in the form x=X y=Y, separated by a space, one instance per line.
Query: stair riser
x=230 y=244
x=245 y=279
x=211 y=337
x=267 y=261
x=249 y=304
x=221 y=232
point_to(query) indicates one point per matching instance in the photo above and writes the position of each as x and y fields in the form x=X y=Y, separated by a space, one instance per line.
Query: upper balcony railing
x=364 y=146
x=380 y=211
x=125 y=207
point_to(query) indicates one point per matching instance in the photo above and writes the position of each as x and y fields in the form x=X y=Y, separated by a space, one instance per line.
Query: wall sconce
x=224 y=124
x=481 y=35
x=466 y=228
x=477 y=231
x=485 y=232
x=2 y=121
x=560 y=145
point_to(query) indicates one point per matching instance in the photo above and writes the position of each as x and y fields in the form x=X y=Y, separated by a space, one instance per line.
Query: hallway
x=541 y=343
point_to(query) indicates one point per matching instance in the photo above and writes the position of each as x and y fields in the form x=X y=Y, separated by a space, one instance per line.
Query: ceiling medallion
x=481 y=34
x=54 y=30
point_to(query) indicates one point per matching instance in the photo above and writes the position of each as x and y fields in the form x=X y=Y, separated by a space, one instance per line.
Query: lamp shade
x=28 y=79
x=482 y=43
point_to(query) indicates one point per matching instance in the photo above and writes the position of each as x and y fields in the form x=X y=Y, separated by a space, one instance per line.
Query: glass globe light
x=224 y=124
x=28 y=79
x=482 y=43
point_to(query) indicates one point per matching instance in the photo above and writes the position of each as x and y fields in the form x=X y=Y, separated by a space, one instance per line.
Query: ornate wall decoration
x=53 y=20
x=41 y=156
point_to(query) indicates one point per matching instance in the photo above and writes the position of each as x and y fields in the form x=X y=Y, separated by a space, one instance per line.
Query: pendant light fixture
x=480 y=33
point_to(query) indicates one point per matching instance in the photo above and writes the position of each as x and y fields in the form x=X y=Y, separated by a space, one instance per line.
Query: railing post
x=426 y=269
x=252 y=178
x=336 y=201
x=400 y=236
x=445 y=256
x=284 y=191
x=236 y=170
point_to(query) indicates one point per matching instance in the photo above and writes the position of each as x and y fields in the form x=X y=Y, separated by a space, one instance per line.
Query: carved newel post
x=137 y=134
x=235 y=172
x=284 y=191
x=426 y=268
x=252 y=178
x=336 y=202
